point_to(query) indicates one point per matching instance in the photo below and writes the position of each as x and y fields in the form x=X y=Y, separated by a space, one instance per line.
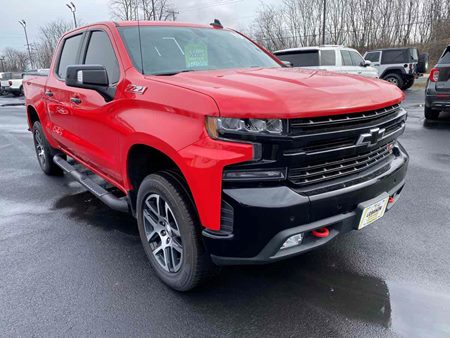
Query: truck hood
x=287 y=92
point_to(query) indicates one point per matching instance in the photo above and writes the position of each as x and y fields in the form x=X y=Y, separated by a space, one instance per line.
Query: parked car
x=223 y=154
x=437 y=92
x=15 y=86
x=4 y=82
x=400 y=66
x=332 y=58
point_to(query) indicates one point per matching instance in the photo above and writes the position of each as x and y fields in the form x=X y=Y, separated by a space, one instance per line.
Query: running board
x=116 y=203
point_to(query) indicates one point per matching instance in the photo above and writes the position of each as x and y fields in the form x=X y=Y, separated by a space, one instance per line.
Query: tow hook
x=321 y=232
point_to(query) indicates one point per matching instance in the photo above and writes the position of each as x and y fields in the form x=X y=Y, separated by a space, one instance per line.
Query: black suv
x=437 y=93
x=400 y=66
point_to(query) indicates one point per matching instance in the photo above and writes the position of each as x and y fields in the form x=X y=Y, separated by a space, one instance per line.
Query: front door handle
x=49 y=93
x=75 y=100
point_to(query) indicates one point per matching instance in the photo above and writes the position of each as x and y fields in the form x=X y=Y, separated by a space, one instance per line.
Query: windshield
x=170 y=50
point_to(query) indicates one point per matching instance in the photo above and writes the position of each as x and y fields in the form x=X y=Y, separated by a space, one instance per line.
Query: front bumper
x=265 y=217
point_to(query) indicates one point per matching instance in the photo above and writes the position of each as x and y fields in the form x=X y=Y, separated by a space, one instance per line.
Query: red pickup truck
x=222 y=153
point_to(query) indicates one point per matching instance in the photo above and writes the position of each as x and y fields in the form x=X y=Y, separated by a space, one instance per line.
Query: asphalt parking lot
x=70 y=266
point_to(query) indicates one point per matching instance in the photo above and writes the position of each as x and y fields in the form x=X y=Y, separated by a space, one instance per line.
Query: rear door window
x=100 y=52
x=69 y=54
x=346 y=58
x=373 y=56
x=395 y=56
x=327 y=58
x=308 y=58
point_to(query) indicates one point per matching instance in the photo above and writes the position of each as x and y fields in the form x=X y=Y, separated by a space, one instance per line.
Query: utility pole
x=2 y=59
x=324 y=19
x=73 y=9
x=173 y=14
x=24 y=25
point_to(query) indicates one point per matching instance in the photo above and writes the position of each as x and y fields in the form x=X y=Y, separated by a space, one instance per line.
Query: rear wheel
x=431 y=114
x=44 y=151
x=170 y=234
x=408 y=84
x=394 y=79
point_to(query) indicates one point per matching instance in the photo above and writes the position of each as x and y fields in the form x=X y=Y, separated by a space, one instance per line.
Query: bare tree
x=153 y=10
x=49 y=37
x=359 y=23
x=15 y=60
x=124 y=9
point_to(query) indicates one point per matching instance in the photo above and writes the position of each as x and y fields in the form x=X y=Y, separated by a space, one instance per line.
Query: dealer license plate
x=373 y=212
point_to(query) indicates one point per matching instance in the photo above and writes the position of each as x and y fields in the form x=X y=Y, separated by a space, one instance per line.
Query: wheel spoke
x=167 y=258
x=150 y=219
x=173 y=259
x=167 y=211
x=158 y=249
x=150 y=206
x=176 y=246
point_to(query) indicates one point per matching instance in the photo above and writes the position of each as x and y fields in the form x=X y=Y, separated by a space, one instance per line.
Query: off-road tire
x=44 y=152
x=394 y=79
x=196 y=265
x=423 y=63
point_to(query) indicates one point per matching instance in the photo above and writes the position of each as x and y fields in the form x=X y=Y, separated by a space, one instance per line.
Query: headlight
x=221 y=125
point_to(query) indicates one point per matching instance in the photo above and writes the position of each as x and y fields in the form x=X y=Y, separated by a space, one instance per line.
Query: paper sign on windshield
x=196 y=55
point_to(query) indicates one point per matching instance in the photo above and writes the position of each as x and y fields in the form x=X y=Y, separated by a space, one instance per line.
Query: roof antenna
x=140 y=41
x=216 y=24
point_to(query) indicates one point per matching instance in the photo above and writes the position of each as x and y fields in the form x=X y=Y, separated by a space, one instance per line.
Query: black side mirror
x=287 y=63
x=94 y=77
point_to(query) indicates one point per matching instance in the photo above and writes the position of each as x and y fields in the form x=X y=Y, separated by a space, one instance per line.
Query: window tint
x=445 y=59
x=101 y=52
x=373 y=57
x=305 y=58
x=356 y=58
x=395 y=56
x=69 y=54
x=327 y=58
x=346 y=58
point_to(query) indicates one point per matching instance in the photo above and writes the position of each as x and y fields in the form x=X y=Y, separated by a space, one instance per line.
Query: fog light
x=292 y=241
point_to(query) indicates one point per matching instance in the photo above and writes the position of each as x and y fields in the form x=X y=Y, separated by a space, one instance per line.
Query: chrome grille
x=324 y=123
x=327 y=148
x=328 y=170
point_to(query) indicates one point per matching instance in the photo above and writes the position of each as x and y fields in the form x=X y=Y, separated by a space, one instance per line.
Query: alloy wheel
x=40 y=150
x=162 y=233
x=393 y=80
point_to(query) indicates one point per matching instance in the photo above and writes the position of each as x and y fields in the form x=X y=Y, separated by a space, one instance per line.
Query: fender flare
x=391 y=69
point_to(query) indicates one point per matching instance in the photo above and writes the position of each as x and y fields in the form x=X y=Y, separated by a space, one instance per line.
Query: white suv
x=332 y=58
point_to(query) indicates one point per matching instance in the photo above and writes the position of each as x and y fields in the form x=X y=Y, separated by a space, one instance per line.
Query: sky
x=232 y=13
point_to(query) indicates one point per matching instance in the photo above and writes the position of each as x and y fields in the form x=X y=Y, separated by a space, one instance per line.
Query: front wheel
x=44 y=152
x=170 y=234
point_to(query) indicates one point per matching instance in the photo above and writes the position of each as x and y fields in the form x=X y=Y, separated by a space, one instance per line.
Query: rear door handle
x=75 y=100
x=49 y=93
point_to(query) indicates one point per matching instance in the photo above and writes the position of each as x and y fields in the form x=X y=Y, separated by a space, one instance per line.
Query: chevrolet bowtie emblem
x=371 y=138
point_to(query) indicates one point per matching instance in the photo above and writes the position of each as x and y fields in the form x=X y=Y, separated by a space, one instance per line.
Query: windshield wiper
x=174 y=72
